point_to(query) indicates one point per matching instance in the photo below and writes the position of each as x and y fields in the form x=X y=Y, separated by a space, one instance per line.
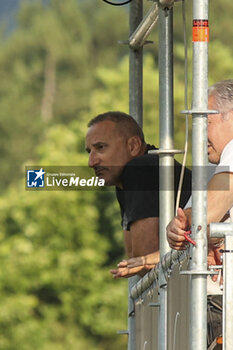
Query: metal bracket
x=198 y=111
x=166 y=151
x=207 y=272
x=213 y=267
x=126 y=42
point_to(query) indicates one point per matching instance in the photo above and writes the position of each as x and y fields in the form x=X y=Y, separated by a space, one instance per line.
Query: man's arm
x=128 y=243
x=144 y=235
x=142 y=238
x=220 y=196
x=142 y=248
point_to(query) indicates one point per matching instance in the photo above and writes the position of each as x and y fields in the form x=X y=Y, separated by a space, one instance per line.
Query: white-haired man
x=220 y=152
x=220 y=190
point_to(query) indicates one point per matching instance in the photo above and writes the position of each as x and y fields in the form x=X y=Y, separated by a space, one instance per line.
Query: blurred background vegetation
x=60 y=65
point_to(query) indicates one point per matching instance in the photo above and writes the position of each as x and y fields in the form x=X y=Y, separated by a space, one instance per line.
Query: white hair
x=222 y=93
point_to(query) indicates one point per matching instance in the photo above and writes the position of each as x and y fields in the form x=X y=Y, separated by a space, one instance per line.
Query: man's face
x=220 y=132
x=108 y=151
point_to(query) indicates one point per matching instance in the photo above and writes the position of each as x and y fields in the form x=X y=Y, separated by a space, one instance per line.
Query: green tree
x=46 y=69
x=56 y=290
x=61 y=67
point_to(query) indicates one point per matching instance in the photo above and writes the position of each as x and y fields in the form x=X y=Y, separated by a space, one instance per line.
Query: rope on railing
x=167 y=262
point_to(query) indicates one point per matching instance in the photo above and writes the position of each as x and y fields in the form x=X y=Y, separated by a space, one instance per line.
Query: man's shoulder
x=146 y=159
x=141 y=173
x=145 y=166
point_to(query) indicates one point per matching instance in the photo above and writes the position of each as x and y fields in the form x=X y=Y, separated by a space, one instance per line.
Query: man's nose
x=93 y=160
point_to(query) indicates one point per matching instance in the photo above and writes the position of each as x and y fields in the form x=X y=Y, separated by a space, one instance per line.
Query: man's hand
x=133 y=266
x=176 y=230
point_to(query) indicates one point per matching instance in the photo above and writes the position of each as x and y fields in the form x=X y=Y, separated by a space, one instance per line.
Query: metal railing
x=147 y=303
x=168 y=306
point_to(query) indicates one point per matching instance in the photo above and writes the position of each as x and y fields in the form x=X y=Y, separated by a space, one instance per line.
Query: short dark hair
x=127 y=124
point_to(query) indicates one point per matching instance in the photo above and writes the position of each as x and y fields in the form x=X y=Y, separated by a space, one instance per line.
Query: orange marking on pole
x=200 y=30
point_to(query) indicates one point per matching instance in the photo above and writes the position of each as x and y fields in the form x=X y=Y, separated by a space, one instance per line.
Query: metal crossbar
x=139 y=36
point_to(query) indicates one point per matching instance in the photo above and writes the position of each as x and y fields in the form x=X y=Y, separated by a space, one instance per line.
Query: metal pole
x=198 y=304
x=135 y=110
x=131 y=315
x=135 y=64
x=139 y=36
x=166 y=160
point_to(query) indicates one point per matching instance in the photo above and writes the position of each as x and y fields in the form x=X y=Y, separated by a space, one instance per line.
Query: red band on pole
x=200 y=30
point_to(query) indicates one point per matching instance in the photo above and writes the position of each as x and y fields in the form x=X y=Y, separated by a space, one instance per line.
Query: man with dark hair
x=127 y=125
x=118 y=154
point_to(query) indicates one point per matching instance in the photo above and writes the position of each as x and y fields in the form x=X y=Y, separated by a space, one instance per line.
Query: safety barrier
x=168 y=306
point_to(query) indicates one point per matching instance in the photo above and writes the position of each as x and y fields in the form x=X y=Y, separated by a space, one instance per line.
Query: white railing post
x=225 y=230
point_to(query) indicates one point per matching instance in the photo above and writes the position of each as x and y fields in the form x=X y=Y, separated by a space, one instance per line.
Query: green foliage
x=46 y=73
x=55 y=286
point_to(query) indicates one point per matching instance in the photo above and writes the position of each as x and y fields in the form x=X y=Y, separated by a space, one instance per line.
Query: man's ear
x=135 y=145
